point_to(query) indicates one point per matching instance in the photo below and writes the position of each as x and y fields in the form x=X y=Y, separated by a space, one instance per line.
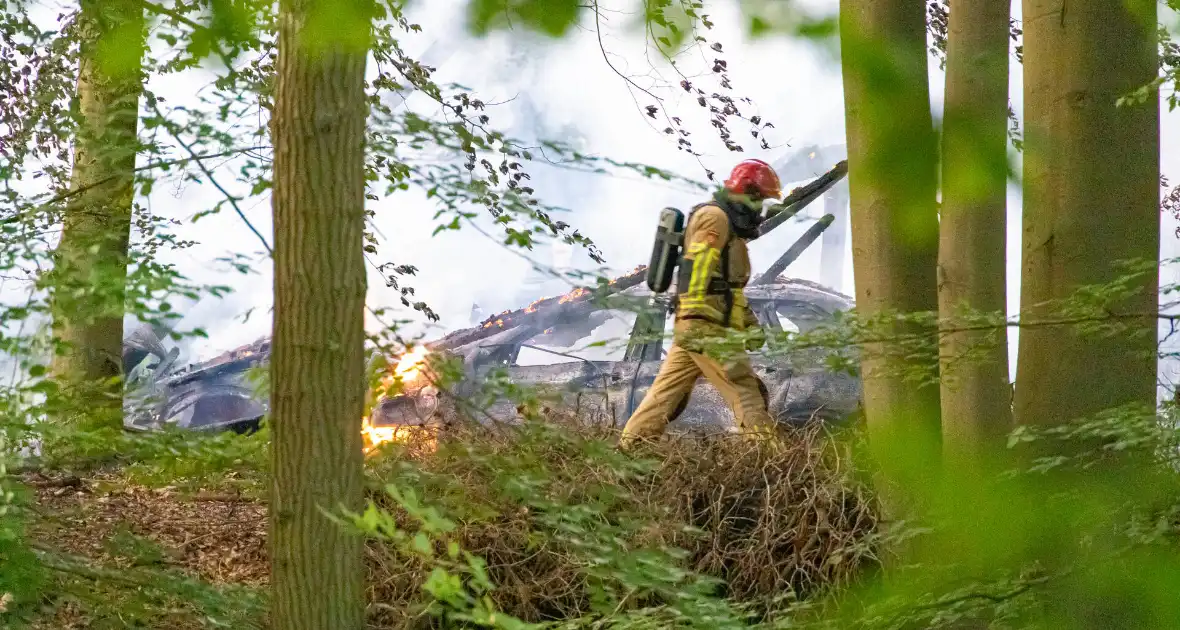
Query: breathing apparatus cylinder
x=665 y=253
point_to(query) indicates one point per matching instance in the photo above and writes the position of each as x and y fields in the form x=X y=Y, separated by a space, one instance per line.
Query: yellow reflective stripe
x=702 y=267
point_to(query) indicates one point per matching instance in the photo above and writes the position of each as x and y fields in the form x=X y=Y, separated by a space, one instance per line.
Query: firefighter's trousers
x=735 y=381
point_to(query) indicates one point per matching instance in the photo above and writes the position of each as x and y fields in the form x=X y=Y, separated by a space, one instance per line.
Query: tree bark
x=892 y=163
x=1091 y=197
x=318 y=379
x=976 y=395
x=88 y=281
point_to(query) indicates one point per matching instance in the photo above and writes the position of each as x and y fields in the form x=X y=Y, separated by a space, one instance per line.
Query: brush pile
x=567 y=525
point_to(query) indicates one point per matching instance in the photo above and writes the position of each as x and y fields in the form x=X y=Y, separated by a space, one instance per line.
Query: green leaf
x=119 y=52
x=759 y=26
x=422 y=545
x=231 y=21
x=342 y=24
x=551 y=17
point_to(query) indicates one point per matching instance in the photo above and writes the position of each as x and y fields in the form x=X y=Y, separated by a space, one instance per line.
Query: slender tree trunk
x=892 y=161
x=90 y=269
x=976 y=394
x=1091 y=197
x=318 y=379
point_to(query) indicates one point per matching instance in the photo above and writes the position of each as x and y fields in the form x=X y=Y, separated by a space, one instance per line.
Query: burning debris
x=410 y=365
x=219 y=395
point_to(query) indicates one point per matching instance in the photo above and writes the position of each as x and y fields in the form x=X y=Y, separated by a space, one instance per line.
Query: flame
x=572 y=295
x=812 y=156
x=410 y=365
x=634 y=271
x=498 y=322
x=376 y=436
x=408 y=368
x=532 y=308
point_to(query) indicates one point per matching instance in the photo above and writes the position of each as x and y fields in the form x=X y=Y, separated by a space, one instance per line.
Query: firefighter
x=709 y=301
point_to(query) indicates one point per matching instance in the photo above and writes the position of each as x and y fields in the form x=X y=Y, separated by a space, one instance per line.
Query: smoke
x=592 y=94
x=590 y=90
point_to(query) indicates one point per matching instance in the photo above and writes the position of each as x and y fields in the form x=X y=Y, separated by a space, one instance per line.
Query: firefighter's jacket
x=705 y=291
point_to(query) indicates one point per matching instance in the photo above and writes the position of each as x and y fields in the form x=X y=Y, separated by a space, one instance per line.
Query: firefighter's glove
x=756 y=338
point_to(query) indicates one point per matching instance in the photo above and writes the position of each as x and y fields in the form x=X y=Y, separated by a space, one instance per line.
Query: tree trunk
x=88 y=281
x=317 y=369
x=1091 y=197
x=892 y=164
x=976 y=394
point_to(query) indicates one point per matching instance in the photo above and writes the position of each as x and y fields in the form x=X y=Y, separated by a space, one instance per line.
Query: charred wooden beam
x=802 y=196
x=794 y=251
x=542 y=313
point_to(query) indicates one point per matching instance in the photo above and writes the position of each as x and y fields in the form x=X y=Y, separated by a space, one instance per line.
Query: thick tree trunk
x=892 y=162
x=317 y=369
x=1091 y=197
x=976 y=394
x=90 y=268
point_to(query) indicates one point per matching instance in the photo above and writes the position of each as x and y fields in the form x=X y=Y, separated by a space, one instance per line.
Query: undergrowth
x=544 y=523
x=541 y=522
x=713 y=532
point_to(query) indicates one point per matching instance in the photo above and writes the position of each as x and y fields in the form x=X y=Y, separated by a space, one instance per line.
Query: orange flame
x=376 y=436
x=407 y=370
x=634 y=271
x=572 y=295
x=409 y=367
x=532 y=308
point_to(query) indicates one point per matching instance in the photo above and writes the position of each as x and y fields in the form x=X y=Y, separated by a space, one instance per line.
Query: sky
x=569 y=90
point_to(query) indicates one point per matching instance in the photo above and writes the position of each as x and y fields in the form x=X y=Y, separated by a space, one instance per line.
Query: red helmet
x=755 y=178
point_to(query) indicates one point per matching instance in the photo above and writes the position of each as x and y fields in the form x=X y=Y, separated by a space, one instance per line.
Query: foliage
x=690 y=535
x=22 y=576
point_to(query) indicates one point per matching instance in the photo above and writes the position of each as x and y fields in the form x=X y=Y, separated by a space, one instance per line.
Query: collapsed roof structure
x=220 y=394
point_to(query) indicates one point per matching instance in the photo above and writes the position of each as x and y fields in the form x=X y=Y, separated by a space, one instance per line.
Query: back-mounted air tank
x=665 y=253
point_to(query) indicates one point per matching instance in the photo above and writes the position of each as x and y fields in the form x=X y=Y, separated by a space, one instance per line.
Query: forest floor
x=163 y=543
x=124 y=555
